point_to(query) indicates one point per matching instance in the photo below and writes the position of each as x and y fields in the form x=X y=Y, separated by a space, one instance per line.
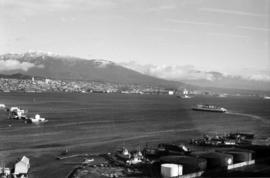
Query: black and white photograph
x=134 y=88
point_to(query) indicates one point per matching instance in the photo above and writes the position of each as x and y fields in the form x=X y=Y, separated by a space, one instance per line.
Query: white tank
x=37 y=116
x=2 y=105
x=171 y=170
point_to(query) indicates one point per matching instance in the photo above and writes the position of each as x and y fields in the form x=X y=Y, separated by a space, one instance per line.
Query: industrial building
x=22 y=167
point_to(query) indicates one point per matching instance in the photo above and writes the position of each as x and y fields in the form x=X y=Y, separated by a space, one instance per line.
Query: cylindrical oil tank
x=216 y=159
x=171 y=170
x=239 y=155
x=190 y=164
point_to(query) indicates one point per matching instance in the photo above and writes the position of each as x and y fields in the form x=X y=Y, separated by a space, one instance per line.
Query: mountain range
x=54 y=66
x=72 y=68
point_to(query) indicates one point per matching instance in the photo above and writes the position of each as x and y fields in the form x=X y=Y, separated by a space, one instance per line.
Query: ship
x=36 y=119
x=209 y=108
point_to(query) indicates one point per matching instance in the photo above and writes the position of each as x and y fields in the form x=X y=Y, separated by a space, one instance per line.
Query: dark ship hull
x=209 y=108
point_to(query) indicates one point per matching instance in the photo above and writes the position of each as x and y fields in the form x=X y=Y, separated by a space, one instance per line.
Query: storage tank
x=190 y=164
x=171 y=170
x=239 y=155
x=37 y=116
x=216 y=159
x=2 y=106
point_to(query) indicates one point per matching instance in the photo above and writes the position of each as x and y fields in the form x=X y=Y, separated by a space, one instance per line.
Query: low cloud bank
x=189 y=72
x=12 y=64
x=174 y=72
x=260 y=77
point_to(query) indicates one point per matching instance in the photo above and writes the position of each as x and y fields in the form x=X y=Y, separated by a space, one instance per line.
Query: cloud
x=174 y=72
x=195 y=22
x=62 y=4
x=102 y=63
x=161 y=8
x=227 y=35
x=233 y=12
x=255 y=74
x=189 y=72
x=254 y=28
x=32 y=7
x=169 y=30
x=259 y=77
x=11 y=64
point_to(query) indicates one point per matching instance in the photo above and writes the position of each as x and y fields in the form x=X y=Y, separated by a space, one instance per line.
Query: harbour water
x=94 y=123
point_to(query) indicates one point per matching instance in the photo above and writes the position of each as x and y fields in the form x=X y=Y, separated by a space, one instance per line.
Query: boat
x=37 y=119
x=222 y=95
x=17 y=113
x=184 y=96
x=266 y=97
x=123 y=154
x=174 y=149
x=88 y=161
x=209 y=108
x=153 y=153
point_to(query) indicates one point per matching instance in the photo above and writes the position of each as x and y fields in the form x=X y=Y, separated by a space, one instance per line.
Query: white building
x=185 y=92
x=22 y=166
x=171 y=92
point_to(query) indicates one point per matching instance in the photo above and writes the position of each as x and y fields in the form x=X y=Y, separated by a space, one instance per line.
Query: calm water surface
x=92 y=123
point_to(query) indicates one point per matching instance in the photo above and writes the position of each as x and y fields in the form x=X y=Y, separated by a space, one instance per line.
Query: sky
x=228 y=36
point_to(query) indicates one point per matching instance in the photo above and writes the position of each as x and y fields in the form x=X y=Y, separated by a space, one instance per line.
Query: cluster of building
x=166 y=161
x=231 y=139
x=50 y=85
x=53 y=85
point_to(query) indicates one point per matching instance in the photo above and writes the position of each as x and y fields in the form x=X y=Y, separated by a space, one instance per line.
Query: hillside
x=72 y=68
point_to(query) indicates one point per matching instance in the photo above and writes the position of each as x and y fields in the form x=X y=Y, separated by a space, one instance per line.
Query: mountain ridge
x=49 y=65
x=73 y=68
